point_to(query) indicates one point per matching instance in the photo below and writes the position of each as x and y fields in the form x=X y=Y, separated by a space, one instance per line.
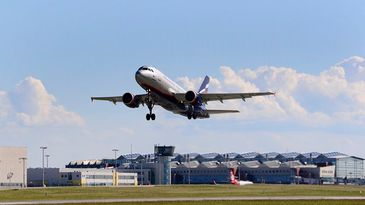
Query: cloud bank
x=335 y=95
x=30 y=104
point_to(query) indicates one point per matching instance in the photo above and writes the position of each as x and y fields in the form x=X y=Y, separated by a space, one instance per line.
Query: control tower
x=163 y=155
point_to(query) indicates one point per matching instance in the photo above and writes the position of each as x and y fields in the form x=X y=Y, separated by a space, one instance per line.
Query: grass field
x=65 y=193
x=339 y=202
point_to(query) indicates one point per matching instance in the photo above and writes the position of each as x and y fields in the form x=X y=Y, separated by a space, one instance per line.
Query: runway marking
x=268 y=198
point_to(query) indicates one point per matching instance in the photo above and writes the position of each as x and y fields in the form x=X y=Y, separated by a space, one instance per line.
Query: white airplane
x=169 y=95
x=234 y=181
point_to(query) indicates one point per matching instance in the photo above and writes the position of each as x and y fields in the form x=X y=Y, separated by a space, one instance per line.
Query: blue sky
x=77 y=49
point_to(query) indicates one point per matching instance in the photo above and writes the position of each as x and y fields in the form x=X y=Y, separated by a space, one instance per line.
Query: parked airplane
x=169 y=95
x=234 y=181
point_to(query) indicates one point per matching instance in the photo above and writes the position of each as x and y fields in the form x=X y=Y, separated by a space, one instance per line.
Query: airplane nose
x=139 y=76
x=138 y=73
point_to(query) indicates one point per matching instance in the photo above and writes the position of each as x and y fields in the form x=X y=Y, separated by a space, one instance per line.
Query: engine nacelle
x=129 y=100
x=190 y=96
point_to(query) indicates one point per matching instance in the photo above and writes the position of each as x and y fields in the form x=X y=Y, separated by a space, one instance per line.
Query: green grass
x=337 y=202
x=177 y=191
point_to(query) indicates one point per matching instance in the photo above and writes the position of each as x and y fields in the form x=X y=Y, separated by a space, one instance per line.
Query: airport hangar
x=275 y=168
x=166 y=168
x=13 y=166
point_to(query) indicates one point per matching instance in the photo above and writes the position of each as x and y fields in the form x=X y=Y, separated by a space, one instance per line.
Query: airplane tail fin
x=204 y=87
x=233 y=179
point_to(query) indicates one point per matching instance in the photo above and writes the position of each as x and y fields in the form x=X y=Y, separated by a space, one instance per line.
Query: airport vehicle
x=234 y=181
x=166 y=93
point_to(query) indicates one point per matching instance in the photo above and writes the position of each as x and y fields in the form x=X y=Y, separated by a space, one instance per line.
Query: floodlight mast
x=115 y=157
x=47 y=156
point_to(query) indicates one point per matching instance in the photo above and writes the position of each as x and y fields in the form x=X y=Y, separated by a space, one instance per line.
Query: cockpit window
x=146 y=68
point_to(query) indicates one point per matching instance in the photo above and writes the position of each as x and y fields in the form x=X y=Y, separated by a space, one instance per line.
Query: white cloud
x=190 y=84
x=127 y=131
x=5 y=106
x=194 y=83
x=30 y=104
x=231 y=78
x=355 y=68
x=356 y=92
x=335 y=95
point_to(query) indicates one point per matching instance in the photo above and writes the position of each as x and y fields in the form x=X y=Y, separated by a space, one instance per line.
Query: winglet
x=274 y=93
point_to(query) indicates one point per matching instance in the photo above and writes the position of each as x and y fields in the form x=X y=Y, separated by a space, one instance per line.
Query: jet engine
x=129 y=100
x=190 y=96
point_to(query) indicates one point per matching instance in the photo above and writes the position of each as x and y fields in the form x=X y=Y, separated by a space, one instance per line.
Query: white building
x=80 y=177
x=13 y=166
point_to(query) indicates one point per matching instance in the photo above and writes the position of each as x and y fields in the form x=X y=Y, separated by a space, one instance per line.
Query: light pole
x=239 y=171
x=142 y=174
x=115 y=178
x=131 y=155
x=189 y=168
x=43 y=148
x=23 y=160
x=115 y=157
x=47 y=156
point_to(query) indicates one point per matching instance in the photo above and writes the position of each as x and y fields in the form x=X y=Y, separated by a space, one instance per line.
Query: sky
x=55 y=55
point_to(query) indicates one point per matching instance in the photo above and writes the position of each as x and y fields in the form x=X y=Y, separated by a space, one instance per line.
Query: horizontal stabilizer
x=222 y=111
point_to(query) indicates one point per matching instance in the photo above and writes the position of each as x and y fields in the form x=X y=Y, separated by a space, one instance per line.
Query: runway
x=274 y=198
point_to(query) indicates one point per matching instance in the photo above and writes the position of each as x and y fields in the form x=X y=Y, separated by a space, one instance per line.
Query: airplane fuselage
x=166 y=93
x=162 y=90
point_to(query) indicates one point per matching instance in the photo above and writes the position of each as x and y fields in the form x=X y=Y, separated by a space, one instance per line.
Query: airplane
x=234 y=181
x=162 y=91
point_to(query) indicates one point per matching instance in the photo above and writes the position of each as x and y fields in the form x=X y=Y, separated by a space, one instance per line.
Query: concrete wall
x=11 y=167
x=80 y=177
x=51 y=177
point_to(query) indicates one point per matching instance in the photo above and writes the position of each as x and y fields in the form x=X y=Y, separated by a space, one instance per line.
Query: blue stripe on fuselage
x=199 y=107
x=168 y=97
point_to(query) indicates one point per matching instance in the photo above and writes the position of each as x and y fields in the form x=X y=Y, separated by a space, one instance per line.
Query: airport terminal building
x=80 y=177
x=166 y=167
x=272 y=167
x=13 y=163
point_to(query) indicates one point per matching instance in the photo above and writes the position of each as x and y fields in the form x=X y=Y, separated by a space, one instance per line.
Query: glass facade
x=350 y=168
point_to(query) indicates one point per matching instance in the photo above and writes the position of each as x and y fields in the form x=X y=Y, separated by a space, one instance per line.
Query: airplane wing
x=206 y=97
x=212 y=112
x=113 y=99
x=139 y=99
